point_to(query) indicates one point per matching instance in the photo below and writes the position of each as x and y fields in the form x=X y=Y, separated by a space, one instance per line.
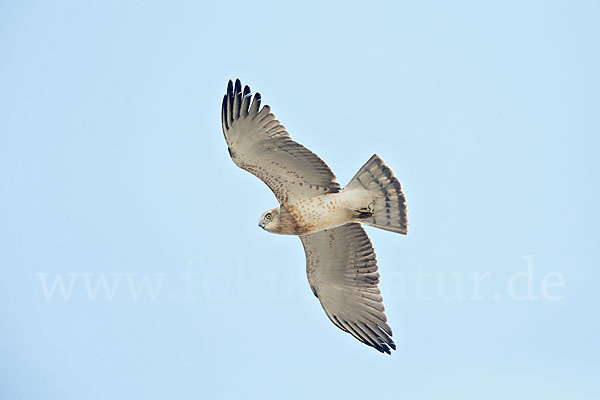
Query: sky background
x=113 y=169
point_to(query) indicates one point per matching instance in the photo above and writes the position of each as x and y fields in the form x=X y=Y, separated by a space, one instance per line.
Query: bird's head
x=269 y=221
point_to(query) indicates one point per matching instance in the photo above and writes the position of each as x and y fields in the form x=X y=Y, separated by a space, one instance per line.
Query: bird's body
x=318 y=213
x=340 y=260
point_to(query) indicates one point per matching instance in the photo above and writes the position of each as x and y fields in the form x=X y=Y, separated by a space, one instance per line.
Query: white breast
x=326 y=211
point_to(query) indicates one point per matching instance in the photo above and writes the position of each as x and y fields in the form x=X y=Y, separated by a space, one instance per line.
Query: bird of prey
x=340 y=260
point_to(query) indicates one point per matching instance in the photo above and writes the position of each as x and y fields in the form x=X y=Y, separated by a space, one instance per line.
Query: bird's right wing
x=258 y=143
x=342 y=273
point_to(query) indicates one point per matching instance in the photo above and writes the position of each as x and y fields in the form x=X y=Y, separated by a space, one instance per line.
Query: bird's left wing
x=342 y=273
x=258 y=143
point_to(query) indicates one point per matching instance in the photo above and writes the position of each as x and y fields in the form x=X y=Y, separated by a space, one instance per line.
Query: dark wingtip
x=230 y=86
x=238 y=86
x=246 y=90
x=224 y=112
x=382 y=348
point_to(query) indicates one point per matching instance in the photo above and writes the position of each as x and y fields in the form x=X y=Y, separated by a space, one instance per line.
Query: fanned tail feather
x=387 y=209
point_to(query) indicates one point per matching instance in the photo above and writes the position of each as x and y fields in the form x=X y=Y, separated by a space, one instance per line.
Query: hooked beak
x=261 y=224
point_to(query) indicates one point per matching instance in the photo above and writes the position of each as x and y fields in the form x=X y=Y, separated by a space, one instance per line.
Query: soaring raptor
x=340 y=260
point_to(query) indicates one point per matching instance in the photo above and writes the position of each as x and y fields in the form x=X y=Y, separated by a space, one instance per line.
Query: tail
x=387 y=205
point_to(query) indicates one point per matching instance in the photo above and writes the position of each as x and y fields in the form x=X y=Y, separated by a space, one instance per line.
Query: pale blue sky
x=113 y=166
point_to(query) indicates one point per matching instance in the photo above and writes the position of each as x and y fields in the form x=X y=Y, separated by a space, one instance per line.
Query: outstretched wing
x=258 y=143
x=342 y=273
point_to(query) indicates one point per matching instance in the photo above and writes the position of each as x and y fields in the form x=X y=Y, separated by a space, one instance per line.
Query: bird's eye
x=269 y=216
